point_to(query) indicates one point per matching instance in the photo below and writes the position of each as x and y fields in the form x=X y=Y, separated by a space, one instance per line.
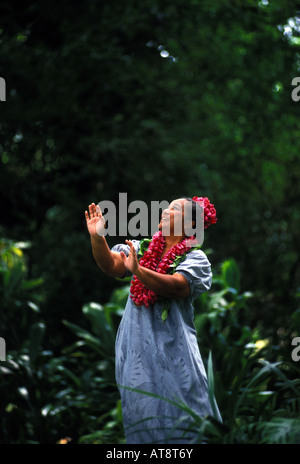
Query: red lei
x=139 y=293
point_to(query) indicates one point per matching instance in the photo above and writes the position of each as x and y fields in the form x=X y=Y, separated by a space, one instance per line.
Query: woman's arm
x=171 y=286
x=108 y=261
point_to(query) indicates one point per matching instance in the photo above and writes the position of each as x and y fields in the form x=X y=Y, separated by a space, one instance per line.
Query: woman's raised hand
x=94 y=220
x=131 y=262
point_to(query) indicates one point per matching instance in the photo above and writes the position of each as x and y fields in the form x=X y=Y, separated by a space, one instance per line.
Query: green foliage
x=221 y=322
x=263 y=406
x=259 y=399
x=72 y=397
x=18 y=302
x=230 y=274
x=45 y=398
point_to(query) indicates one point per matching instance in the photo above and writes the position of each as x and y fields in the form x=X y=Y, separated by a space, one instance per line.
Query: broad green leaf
x=231 y=274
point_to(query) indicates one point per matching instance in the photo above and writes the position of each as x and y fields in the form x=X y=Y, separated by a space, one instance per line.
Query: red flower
x=210 y=214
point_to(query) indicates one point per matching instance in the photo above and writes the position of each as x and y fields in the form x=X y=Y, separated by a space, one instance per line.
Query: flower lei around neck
x=151 y=259
x=151 y=251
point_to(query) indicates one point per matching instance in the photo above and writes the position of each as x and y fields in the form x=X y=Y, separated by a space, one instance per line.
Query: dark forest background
x=160 y=100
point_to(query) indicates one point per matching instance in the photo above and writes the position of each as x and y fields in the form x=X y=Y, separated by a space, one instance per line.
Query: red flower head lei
x=151 y=258
x=210 y=215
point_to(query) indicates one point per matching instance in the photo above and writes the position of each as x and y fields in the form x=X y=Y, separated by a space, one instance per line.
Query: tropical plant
x=44 y=397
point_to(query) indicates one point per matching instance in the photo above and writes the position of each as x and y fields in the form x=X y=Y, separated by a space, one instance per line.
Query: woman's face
x=172 y=218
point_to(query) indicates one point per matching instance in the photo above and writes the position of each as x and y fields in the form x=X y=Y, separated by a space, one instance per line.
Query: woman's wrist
x=149 y=278
x=102 y=252
x=138 y=271
x=98 y=239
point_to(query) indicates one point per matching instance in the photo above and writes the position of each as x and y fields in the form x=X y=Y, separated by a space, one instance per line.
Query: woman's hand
x=95 y=221
x=131 y=262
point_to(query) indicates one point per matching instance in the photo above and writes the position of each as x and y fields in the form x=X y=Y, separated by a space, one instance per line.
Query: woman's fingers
x=132 y=260
x=132 y=249
x=94 y=220
x=98 y=211
x=94 y=211
x=130 y=244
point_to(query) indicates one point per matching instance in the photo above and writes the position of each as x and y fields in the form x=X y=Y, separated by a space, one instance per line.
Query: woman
x=156 y=345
